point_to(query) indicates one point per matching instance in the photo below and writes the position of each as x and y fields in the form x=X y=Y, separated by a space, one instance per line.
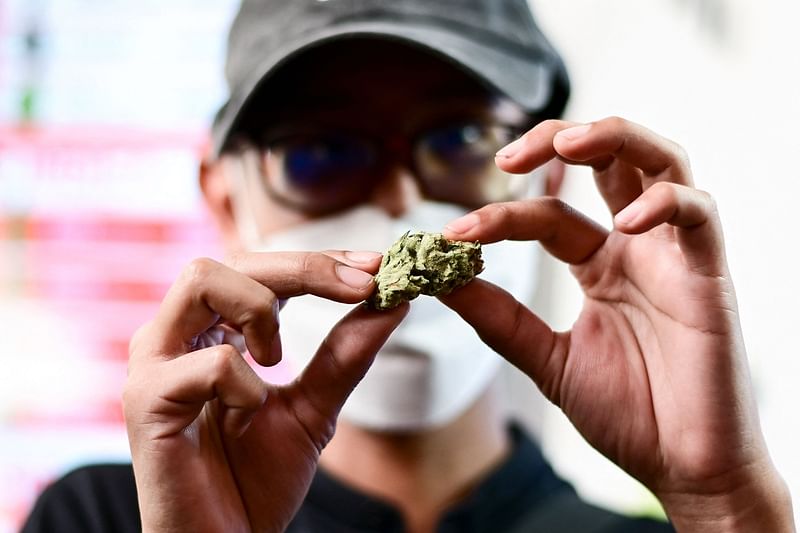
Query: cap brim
x=528 y=81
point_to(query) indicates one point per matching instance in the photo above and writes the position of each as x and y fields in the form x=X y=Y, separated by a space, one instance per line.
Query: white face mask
x=434 y=366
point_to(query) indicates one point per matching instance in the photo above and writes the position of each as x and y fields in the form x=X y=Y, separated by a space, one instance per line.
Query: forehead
x=373 y=80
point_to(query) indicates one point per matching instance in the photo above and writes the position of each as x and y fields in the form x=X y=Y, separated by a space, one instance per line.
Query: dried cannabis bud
x=424 y=263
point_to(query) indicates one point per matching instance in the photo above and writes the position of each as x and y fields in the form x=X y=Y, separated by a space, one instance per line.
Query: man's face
x=381 y=126
x=382 y=123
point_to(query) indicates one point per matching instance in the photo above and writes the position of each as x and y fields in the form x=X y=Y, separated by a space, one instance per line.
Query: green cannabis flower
x=424 y=263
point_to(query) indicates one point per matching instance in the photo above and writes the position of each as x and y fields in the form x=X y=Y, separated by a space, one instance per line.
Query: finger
x=513 y=331
x=625 y=156
x=619 y=184
x=340 y=276
x=533 y=149
x=342 y=360
x=563 y=231
x=208 y=290
x=362 y=260
x=691 y=211
x=208 y=293
x=182 y=386
x=600 y=143
x=221 y=334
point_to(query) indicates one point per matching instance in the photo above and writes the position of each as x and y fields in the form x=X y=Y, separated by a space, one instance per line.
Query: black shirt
x=521 y=495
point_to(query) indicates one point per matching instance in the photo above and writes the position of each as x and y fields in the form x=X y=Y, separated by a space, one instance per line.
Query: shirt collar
x=522 y=480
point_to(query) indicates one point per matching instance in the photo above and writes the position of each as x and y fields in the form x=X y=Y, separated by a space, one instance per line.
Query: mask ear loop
x=239 y=169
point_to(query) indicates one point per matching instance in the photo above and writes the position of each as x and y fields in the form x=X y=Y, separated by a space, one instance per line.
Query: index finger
x=597 y=144
x=327 y=274
x=626 y=158
x=563 y=231
x=245 y=293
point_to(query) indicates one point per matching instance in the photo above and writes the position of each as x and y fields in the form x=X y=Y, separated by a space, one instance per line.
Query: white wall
x=725 y=87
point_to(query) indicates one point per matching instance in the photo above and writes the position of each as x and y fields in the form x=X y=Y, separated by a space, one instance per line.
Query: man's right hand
x=214 y=447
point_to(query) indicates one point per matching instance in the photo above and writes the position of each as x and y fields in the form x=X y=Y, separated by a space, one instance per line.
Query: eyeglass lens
x=454 y=163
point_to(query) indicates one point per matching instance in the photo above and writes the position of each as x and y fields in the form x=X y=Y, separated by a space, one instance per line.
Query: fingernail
x=362 y=257
x=511 y=149
x=629 y=214
x=358 y=279
x=574 y=133
x=463 y=224
x=275 y=349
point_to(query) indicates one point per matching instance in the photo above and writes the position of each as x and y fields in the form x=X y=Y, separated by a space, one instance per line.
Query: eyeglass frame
x=399 y=143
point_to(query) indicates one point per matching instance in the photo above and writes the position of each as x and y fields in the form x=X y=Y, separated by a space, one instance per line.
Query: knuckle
x=261 y=313
x=250 y=316
x=615 y=122
x=555 y=210
x=679 y=155
x=223 y=360
x=552 y=204
x=233 y=260
x=554 y=207
x=665 y=191
x=316 y=263
x=301 y=269
x=497 y=213
x=550 y=124
x=309 y=264
x=199 y=270
x=708 y=200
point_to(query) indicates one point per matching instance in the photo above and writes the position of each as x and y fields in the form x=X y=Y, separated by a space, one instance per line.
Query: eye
x=457 y=141
x=313 y=161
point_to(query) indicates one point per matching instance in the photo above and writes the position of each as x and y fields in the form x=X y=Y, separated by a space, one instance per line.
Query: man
x=349 y=123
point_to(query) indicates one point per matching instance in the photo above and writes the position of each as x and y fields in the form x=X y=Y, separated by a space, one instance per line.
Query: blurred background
x=104 y=109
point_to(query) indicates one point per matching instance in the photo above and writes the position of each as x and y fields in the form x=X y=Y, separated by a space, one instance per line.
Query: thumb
x=341 y=362
x=513 y=331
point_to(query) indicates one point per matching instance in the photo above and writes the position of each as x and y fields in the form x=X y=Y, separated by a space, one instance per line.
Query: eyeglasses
x=323 y=172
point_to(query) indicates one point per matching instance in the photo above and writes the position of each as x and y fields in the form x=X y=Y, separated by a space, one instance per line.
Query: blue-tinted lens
x=456 y=164
x=321 y=162
x=459 y=143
